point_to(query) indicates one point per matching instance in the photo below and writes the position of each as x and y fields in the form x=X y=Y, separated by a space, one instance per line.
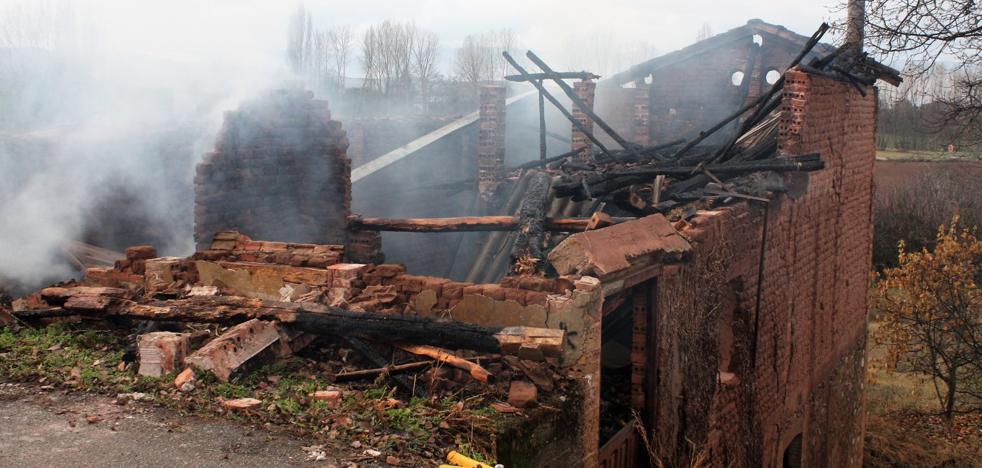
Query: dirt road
x=53 y=428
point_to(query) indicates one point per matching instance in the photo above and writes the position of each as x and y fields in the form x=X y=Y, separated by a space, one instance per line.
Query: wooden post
x=542 y=125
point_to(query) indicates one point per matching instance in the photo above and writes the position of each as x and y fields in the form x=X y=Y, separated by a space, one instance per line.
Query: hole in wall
x=736 y=78
x=792 y=454
x=758 y=39
x=772 y=76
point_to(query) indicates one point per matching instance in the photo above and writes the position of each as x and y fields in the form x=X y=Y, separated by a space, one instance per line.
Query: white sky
x=247 y=31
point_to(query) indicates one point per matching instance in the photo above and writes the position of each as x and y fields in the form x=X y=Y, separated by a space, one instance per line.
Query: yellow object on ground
x=450 y=466
x=464 y=461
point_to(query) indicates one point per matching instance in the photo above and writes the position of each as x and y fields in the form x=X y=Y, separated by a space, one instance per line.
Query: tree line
x=395 y=59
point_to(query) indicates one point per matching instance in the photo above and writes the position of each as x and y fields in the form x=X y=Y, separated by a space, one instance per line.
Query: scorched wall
x=761 y=338
x=279 y=171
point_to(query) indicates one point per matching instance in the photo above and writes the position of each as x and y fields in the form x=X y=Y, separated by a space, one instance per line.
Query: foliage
x=930 y=308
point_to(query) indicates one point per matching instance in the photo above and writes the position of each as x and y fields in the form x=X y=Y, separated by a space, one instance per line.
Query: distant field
x=897 y=155
x=893 y=172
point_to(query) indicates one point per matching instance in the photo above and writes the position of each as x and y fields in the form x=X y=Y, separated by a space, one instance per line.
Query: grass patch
x=72 y=356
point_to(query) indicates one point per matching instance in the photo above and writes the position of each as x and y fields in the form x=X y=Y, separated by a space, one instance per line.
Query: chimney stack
x=855 y=24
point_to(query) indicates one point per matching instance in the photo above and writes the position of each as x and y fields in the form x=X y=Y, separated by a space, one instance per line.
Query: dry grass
x=903 y=428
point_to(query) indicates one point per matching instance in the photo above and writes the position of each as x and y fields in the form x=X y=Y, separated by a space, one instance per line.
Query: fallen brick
x=230 y=351
x=162 y=352
x=141 y=252
x=241 y=403
x=522 y=394
x=186 y=377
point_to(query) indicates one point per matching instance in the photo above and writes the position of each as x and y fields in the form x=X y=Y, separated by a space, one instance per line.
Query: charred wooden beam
x=320 y=319
x=468 y=224
x=552 y=99
x=598 y=184
x=531 y=223
x=582 y=75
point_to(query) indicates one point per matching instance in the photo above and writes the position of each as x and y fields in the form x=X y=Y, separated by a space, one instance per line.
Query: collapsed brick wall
x=788 y=351
x=279 y=171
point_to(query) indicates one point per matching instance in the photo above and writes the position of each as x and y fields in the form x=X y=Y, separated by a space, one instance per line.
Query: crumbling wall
x=789 y=327
x=279 y=171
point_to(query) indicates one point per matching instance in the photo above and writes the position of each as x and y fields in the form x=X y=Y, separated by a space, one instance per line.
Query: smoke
x=98 y=142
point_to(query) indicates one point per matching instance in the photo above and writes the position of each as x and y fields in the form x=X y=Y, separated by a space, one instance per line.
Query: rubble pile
x=229 y=310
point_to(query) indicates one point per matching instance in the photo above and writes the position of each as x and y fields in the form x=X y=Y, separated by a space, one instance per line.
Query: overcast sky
x=251 y=31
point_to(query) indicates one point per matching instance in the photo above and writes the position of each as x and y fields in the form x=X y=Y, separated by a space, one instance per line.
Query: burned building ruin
x=693 y=260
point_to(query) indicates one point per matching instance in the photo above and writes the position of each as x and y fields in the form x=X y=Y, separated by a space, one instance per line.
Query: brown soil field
x=893 y=173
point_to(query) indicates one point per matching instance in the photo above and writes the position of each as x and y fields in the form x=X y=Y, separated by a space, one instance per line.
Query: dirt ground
x=40 y=427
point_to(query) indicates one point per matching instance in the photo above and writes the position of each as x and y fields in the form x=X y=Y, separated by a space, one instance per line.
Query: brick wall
x=279 y=171
x=772 y=359
x=491 y=139
x=584 y=90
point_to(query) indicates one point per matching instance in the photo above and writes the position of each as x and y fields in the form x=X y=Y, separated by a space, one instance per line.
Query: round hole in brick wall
x=758 y=39
x=772 y=76
x=736 y=78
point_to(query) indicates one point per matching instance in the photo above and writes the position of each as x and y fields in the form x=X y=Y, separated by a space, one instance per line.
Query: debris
x=477 y=372
x=372 y=452
x=241 y=403
x=162 y=352
x=227 y=353
x=393 y=460
x=504 y=408
x=522 y=394
x=93 y=419
x=203 y=291
x=185 y=380
x=331 y=395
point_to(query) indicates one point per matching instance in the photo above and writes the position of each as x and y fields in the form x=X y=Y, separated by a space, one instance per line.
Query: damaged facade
x=728 y=316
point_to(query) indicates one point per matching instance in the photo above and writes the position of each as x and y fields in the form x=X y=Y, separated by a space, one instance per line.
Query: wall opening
x=792 y=453
x=736 y=78
x=772 y=76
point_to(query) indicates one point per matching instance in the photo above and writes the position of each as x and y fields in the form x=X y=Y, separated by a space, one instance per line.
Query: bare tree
x=471 y=63
x=425 y=50
x=926 y=31
x=504 y=40
x=339 y=40
x=299 y=39
x=386 y=57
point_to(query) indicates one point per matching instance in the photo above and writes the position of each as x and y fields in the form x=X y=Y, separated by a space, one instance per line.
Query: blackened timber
x=598 y=184
x=320 y=319
x=467 y=224
x=583 y=75
x=552 y=99
x=583 y=106
x=542 y=126
x=531 y=219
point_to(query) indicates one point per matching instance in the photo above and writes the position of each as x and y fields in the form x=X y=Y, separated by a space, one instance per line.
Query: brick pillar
x=491 y=140
x=584 y=90
x=642 y=114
